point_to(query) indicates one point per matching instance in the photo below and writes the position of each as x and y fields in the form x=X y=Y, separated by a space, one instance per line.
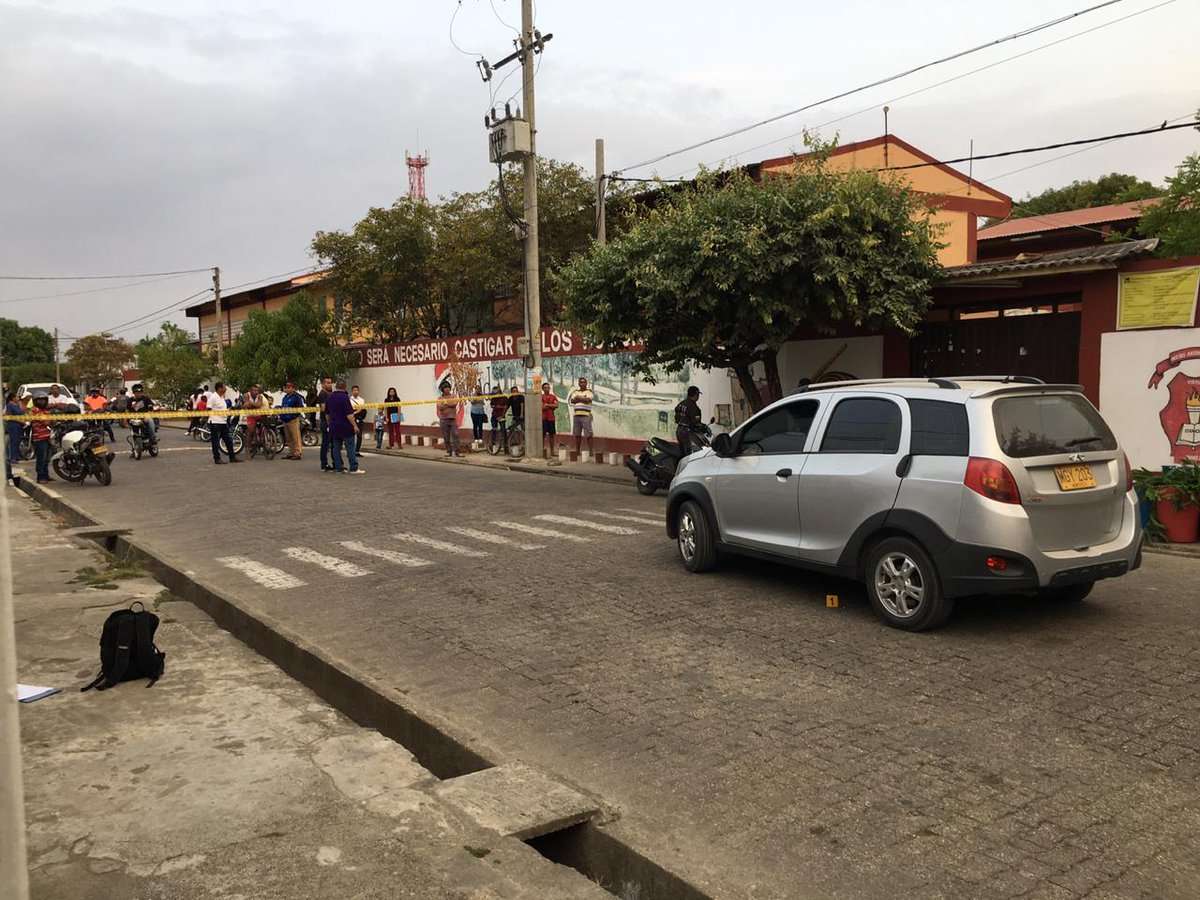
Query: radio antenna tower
x=416 y=175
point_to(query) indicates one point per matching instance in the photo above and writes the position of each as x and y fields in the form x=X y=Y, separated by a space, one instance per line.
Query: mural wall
x=1150 y=393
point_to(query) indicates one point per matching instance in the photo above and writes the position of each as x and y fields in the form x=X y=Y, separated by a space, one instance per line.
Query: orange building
x=236 y=308
x=955 y=200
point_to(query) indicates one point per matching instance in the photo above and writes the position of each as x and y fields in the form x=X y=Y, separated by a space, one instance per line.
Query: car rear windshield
x=1043 y=425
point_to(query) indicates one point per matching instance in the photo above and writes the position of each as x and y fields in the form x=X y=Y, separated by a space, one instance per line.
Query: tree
x=171 y=364
x=99 y=359
x=1112 y=188
x=24 y=344
x=722 y=273
x=297 y=343
x=1175 y=220
x=418 y=270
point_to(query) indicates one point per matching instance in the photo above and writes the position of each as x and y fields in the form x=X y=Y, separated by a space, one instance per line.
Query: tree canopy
x=99 y=359
x=296 y=343
x=24 y=344
x=171 y=365
x=415 y=270
x=723 y=273
x=1115 y=187
x=1175 y=220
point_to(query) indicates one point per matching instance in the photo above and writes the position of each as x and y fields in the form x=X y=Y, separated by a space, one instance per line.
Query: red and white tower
x=416 y=175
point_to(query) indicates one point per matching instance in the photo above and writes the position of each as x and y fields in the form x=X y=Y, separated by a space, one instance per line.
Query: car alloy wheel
x=899 y=584
x=687 y=536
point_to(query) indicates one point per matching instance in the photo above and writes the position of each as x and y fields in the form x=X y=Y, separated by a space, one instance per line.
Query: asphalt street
x=755 y=740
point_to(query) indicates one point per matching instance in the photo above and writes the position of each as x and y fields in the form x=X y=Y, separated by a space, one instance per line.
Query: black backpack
x=127 y=649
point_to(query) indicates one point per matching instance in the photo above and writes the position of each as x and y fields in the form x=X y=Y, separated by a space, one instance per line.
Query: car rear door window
x=1049 y=424
x=783 y=430
x=863 y=425
x=939 y=428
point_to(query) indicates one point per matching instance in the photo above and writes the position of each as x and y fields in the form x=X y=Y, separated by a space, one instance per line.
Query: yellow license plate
x=99 y=451
x=1074 y=478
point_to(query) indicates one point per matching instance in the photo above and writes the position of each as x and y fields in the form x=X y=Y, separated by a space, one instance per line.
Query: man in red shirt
x=40 y=437
x=549 y=411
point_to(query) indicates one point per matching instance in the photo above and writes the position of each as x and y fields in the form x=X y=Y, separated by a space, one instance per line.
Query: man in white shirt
x=218 y=424
x=58 y=400
x=359 y=404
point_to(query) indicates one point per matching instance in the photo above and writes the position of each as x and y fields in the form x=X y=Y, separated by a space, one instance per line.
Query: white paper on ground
x=27 y=693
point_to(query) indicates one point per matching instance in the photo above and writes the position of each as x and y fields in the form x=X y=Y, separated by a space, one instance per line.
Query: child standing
x=380 y=425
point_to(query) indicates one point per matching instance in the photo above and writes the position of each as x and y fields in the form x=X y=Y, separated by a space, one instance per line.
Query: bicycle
x=511 y=441
x=265 y=436
x=237 y=432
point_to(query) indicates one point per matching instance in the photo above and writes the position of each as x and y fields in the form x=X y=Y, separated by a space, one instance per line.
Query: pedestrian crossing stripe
x=489 y=538
x=435 y=544
x=540 y=532
x=331 y=563
x=268 y=576
x=392 y=556
x=584 y=523
x=639 y=520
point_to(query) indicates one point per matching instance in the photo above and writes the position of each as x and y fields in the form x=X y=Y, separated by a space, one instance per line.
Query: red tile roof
x=1093 y=215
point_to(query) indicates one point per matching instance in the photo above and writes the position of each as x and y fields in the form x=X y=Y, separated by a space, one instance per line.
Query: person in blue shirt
x=292 y=399
x=15 y=430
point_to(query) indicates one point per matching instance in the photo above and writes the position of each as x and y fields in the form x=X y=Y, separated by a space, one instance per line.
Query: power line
x=115 y=287
x=937 y=84
x=496 y=13
x=457 y=10
x=101 y=277
x=937 y=62
x=133 y=323
x=1108 y=138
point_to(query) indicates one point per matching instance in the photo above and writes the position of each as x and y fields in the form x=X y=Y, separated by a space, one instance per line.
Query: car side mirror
x=722 y=445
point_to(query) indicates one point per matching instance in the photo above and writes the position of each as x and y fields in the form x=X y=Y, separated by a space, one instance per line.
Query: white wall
x=1132 y=407
x=863 y=358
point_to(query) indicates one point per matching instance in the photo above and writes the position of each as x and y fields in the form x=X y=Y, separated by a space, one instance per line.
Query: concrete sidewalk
x=227 y=778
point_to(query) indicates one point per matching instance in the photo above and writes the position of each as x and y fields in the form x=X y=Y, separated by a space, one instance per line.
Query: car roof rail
x=1004 y=379
x=945 y=383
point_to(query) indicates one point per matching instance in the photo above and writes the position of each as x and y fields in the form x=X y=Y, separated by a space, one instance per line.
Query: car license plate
x=1074 y=478
x=99 y=451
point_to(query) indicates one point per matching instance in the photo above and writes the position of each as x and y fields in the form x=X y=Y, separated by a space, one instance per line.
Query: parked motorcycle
x=84 y=453
x=656 y=464
x=141 y=439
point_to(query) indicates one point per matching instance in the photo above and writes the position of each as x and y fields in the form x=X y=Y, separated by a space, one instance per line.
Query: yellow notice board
x=1163 y=299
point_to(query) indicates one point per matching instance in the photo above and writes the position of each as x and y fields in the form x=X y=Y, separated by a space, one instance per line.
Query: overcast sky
x=143 y=136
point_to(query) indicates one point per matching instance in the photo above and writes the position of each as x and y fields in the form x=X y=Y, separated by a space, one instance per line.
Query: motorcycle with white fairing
x=83 y=453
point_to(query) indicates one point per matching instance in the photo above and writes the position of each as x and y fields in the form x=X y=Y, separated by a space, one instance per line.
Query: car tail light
x=990 y=478
x=1128 y=473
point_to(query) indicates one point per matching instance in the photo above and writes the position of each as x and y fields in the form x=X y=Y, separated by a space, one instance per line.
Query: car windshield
x=1048 y=424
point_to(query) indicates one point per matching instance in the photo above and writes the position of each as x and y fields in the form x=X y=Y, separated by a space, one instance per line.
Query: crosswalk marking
x=392 y=556
x=267 y=576
x=331 y=563
x=584 y=523
x=435 y=544
x=640 y=520
x=540 y=532
x=630 y=509
x=489 y=538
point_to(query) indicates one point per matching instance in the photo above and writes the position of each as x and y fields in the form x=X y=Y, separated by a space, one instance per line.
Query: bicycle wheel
x=310 y=438
x=239 y=441
x=271 y=444
x=516 y=443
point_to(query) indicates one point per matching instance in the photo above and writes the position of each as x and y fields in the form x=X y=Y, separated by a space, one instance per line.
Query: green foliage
x=99 y=359
x=296 y=343
x=417 y=270
x=723 y=273
x=171 y=365
x=1175 y=220
x=1115 y=187
x=37 y=373
x=24 y=344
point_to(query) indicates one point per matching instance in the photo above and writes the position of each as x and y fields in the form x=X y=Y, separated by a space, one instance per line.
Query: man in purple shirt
x=343 y=428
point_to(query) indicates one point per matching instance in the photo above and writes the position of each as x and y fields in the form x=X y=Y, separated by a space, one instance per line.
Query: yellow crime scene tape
x=235 y=411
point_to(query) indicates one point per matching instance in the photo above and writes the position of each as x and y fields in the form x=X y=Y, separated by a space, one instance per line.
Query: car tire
x=903 y=585
x=1073 y=593
x=696 y=538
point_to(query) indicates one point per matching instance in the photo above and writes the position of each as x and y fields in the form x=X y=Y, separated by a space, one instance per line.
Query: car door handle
x=784 y=473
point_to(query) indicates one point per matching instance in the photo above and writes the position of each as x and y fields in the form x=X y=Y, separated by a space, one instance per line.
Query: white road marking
x=640 y=520
x=332 y=563
x=435 y=544
x=489 y=538
x=540 y=532
x=584 y=523
x=630 y=509
x=267 y=576
x=392 y=556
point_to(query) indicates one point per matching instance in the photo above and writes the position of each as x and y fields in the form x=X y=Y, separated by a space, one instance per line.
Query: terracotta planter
x=1182 y=526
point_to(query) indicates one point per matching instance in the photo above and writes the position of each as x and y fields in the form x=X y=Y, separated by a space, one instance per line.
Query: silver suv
x=924 y=489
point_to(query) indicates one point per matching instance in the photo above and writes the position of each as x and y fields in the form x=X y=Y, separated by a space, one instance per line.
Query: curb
x=591 y=848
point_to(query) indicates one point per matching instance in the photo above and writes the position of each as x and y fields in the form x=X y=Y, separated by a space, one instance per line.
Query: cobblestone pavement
x=754 y=740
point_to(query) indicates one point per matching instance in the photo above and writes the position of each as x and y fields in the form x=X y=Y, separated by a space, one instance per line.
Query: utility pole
x=13 y=870
x=533 y=297
x=600 y=224
x=57 y=365
x=220 y=324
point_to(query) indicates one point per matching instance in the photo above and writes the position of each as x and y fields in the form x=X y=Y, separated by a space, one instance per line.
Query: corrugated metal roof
x=1101 y=256
x=1093 y=215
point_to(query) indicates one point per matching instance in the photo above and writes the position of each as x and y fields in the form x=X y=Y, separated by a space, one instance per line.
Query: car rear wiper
x=1075 y=442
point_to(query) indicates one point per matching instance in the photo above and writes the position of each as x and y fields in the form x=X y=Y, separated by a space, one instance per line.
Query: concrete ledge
x=604 y=473
x=517 y=801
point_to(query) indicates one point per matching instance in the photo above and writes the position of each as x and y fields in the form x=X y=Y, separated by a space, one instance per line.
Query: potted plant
x=1176 y=496
x=1147 y=484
